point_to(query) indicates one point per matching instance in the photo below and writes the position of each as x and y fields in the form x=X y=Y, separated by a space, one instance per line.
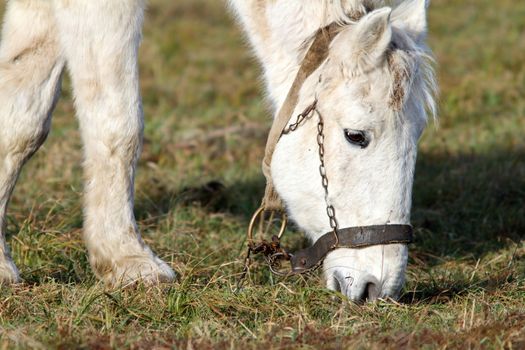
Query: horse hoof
x=8 y=273
x=132 y=270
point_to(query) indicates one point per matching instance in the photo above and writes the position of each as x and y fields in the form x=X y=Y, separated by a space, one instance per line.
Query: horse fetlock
x=125 y=270
x=8 y=272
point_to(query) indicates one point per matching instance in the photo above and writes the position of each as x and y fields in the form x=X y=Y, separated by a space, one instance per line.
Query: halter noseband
x=349 y=237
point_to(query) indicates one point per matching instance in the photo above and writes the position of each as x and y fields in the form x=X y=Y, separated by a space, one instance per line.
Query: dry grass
x=466 y=279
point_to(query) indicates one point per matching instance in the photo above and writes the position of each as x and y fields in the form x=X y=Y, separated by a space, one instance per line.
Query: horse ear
x=372 y=36
x=411 y=15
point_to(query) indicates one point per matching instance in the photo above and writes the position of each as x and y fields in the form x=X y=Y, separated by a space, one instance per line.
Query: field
x=199 y=180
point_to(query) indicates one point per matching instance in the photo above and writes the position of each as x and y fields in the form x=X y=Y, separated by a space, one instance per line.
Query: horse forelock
x=408 y=63
x=411 y=73
x=349 y=11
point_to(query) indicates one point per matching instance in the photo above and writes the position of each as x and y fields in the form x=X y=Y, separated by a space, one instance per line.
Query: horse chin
x=367 y=274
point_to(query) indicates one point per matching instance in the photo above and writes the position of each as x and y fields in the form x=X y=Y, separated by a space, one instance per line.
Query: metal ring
x=260 y=212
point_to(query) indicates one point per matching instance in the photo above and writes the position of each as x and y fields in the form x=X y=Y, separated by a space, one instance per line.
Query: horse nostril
x=371 y=291
x=360 y=289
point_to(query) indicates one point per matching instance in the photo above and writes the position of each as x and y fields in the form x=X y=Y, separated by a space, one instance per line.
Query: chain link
x=330 y=210
x=300 y=118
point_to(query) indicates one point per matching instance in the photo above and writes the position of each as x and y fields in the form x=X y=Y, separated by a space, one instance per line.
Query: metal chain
x=272 y=254
x=300 y=118
x=330 y=210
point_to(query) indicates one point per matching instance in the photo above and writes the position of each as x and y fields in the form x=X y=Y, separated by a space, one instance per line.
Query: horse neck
x=279 y=31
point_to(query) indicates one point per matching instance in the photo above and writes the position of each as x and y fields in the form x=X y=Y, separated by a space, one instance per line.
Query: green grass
x=466 y=275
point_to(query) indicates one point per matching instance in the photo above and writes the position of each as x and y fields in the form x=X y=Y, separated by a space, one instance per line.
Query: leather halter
x=350 y=237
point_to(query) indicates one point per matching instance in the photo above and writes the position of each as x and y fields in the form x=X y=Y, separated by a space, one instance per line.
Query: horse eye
x=357 y=137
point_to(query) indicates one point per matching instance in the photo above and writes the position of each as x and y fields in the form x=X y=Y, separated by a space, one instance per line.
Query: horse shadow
x=469 y=205
x=465 y=206
x=240 y=199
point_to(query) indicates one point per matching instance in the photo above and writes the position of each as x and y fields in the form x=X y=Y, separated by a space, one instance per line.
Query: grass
x=466 y=275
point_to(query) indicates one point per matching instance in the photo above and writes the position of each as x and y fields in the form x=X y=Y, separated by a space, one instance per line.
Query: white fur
x=98 y=41
x=354 y=87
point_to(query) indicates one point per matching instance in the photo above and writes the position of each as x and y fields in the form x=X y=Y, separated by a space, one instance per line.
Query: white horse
x=373 y=90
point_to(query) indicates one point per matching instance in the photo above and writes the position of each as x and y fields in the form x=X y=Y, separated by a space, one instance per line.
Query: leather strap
x=317 y=54
x=350 y=237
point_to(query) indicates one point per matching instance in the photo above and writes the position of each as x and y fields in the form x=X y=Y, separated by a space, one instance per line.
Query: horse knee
x=119 y=138
x=19 y=144
x=29 y=90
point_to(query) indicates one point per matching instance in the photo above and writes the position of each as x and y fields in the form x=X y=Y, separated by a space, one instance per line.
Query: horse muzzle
x=369 y=273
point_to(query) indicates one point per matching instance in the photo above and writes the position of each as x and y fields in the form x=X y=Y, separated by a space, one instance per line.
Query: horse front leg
x=100 y=40
x=30 y=71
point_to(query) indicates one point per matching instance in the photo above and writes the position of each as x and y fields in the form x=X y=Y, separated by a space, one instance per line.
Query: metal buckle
x=272 y=251
x=258 y=213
